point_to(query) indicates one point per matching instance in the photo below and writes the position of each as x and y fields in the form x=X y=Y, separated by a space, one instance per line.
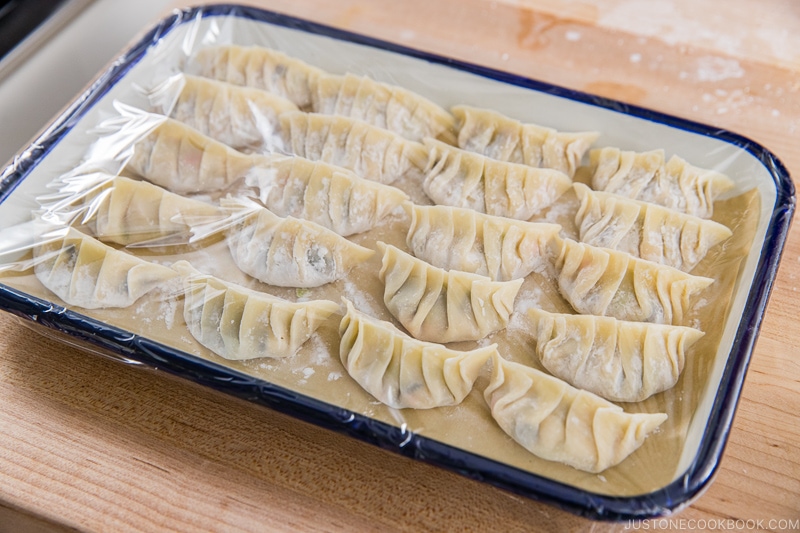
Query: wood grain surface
x=90 y=444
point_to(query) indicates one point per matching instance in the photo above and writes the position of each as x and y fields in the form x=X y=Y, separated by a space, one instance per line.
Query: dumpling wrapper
x=259 y=67
x=500 y=248
x=403 y=372
x=287 y=252
x=183 y=160
x=645 y=176
x=243 y=118
x=558 y=422
x=238 y=323
x=619 y=361
x=86 y=273
x=443 y=306
x=645 y=230
x=499 y=137
x=460 y=178
x=330 y=196
x=605 y=282
x=371 y=152
x=127 y=212
x=394 y=108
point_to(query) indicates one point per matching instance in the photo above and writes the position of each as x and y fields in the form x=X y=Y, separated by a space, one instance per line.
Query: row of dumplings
x=183 y=160
x=595 y=281
x=250 y=119
x=629 y=279
x=297 y=252
x=643 y=176
x=402 y=372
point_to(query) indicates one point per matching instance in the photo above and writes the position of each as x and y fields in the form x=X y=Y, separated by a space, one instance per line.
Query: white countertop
x=50 y=78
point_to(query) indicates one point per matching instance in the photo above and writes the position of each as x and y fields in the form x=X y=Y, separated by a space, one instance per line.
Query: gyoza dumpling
x=459 y=178
x=440 y=306
x=332 y=197
x=644 y=176
x=126 y=211
x=505 y=139
x=84 y=272
x=620 y=361
x=386 y=106
x=645 y=230
x=243 y=118
x=371 y=152
x=403 y=372
x=238 y=323
x=600 y=281
x=183 y=160
x=557 y=422
x=258 y=67
x=288 y=252
x=462 y=239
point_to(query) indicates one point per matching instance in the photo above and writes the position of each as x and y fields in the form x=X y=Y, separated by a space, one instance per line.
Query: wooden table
x=95 y=445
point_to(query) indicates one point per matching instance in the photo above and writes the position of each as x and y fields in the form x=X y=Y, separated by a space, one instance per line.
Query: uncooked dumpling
x=383 y=105
x=600 y=281
x=462 y=239
x=371 y=152
x=644 y=176
x=288 y=252
x=126 y=211
x=403 y=372
x=505 y=139
x=183 y=160
x=558 y=422
x=460 y=178
x=243 y=118
x=440 y=306
x=386 y=106
x=645 y=230
x=239 y=323
x=331 y=196
x=620 y=361
x=84 y=272
x=258 y=67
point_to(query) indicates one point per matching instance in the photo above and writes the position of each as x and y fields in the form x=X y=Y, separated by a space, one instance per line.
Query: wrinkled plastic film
x=162 y=203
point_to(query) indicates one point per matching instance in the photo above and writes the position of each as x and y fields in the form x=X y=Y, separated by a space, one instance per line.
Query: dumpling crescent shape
x=403 y=372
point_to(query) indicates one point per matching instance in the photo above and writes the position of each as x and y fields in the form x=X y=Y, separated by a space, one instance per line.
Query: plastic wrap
x=164 y=206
